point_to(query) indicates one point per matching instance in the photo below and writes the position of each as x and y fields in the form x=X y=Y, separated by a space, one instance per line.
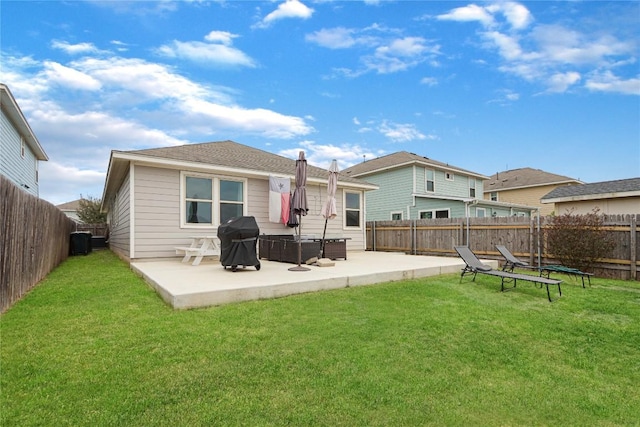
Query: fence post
x=633 y=250
x=373 y=233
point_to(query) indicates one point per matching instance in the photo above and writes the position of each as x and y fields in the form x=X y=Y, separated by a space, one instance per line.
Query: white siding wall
x=120 y=220
x=20 y=170
x=157 y=213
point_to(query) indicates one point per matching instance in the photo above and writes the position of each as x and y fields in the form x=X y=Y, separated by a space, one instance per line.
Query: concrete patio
x=186 y=286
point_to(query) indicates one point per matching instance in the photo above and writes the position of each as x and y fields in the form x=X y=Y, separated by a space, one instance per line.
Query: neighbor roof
x=13 y=111
x=597 y=190
x=223 y=156
x=69 y=206
x=524 y=178
x=402 y=159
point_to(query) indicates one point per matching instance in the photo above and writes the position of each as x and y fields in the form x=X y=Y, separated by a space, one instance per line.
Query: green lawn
x=93 y=345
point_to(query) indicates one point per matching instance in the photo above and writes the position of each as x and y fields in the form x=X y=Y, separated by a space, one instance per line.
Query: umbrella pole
x=321 y=254
x=299 y=267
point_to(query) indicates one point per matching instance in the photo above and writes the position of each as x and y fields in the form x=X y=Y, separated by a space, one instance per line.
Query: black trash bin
x=80 y=243
x=238 y=241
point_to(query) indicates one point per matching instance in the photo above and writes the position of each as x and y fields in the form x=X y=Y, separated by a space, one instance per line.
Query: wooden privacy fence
x=34 y=239
x=523 y=236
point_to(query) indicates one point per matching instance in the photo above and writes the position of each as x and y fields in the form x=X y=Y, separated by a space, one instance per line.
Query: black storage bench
x=284 y=248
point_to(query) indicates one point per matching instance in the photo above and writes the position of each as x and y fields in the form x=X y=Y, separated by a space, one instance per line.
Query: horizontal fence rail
x=34 y=239
x=523 y=236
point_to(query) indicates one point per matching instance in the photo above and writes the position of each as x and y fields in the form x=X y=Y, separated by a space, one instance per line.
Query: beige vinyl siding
x=157 y=210
x=619 y=206
x=527 y=196
x=120 y=220
x=312 y=223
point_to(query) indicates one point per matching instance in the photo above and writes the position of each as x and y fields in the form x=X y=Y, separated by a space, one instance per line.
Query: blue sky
x=485 y=86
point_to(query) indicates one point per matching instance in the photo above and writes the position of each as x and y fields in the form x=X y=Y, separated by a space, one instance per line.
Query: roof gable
x=402 y=159
x=523 y=178
x=10 y=107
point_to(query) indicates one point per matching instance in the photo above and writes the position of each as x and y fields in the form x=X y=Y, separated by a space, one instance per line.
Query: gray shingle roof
x=605 y=187
x=398 y=159
x=234 y=155
x=525 y=177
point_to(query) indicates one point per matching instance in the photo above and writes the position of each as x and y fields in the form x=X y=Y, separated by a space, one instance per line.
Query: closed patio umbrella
x=329 y=210
x=299 y=204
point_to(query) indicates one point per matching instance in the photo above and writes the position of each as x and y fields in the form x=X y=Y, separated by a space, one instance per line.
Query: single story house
x=416 y=187
x=70 y=209
x=609 y=197
x=20 y=150
x=524 y=186
x=150 y=196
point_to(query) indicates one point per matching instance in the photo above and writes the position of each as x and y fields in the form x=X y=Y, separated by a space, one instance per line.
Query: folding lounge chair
x=475 y=266
x=511 y=262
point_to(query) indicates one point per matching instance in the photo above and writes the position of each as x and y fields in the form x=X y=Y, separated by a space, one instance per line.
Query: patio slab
x=186 y=286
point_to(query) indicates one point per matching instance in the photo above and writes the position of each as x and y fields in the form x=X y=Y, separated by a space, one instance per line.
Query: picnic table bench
x=201 y=246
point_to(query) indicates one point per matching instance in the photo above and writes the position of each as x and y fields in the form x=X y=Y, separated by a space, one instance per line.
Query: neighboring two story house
x=525 y=186
x=416 y=187
x=609 y=197
x=20 y=150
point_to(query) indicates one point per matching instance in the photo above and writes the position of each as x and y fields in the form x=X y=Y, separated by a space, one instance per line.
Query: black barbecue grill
x=238 y=241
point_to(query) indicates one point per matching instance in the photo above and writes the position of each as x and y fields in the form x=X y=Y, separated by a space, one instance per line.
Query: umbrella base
x=299 y=268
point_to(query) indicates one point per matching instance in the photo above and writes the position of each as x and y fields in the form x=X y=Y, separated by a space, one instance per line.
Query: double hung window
x=210 y=201
x=352 y=209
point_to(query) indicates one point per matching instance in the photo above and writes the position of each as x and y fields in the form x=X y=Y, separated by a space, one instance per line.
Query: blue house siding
x=394 y=194
x=20 y=170
x=416 y=185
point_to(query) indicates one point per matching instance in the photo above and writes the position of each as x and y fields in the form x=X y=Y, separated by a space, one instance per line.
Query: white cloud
x=224 y=37
x=333 y=38
x=69 y=77
x=469 y=13
x=257 y=121
x=60 y=184
x=74 y=49
x=401 y=132
x=516 y=14
x=429 y=81
x=549 y=54
x=216 y=51
x=608 y=82
x=321 y=155
x=565 y=46
x=560 y=82
x=285 y=10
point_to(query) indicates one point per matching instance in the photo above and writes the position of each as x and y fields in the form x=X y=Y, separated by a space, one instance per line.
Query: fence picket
x=34 y=239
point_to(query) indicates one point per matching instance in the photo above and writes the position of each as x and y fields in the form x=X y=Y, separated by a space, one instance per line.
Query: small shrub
x=578 y=241
x=89 y=211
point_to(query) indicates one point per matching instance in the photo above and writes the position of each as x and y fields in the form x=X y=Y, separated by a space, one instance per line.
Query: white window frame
x=215 y=201
x=345 y=209
x=493 y=196
x=433 y=213
x=484 y=212
x=401 y=213
x=472 y=186
x=427 y=180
